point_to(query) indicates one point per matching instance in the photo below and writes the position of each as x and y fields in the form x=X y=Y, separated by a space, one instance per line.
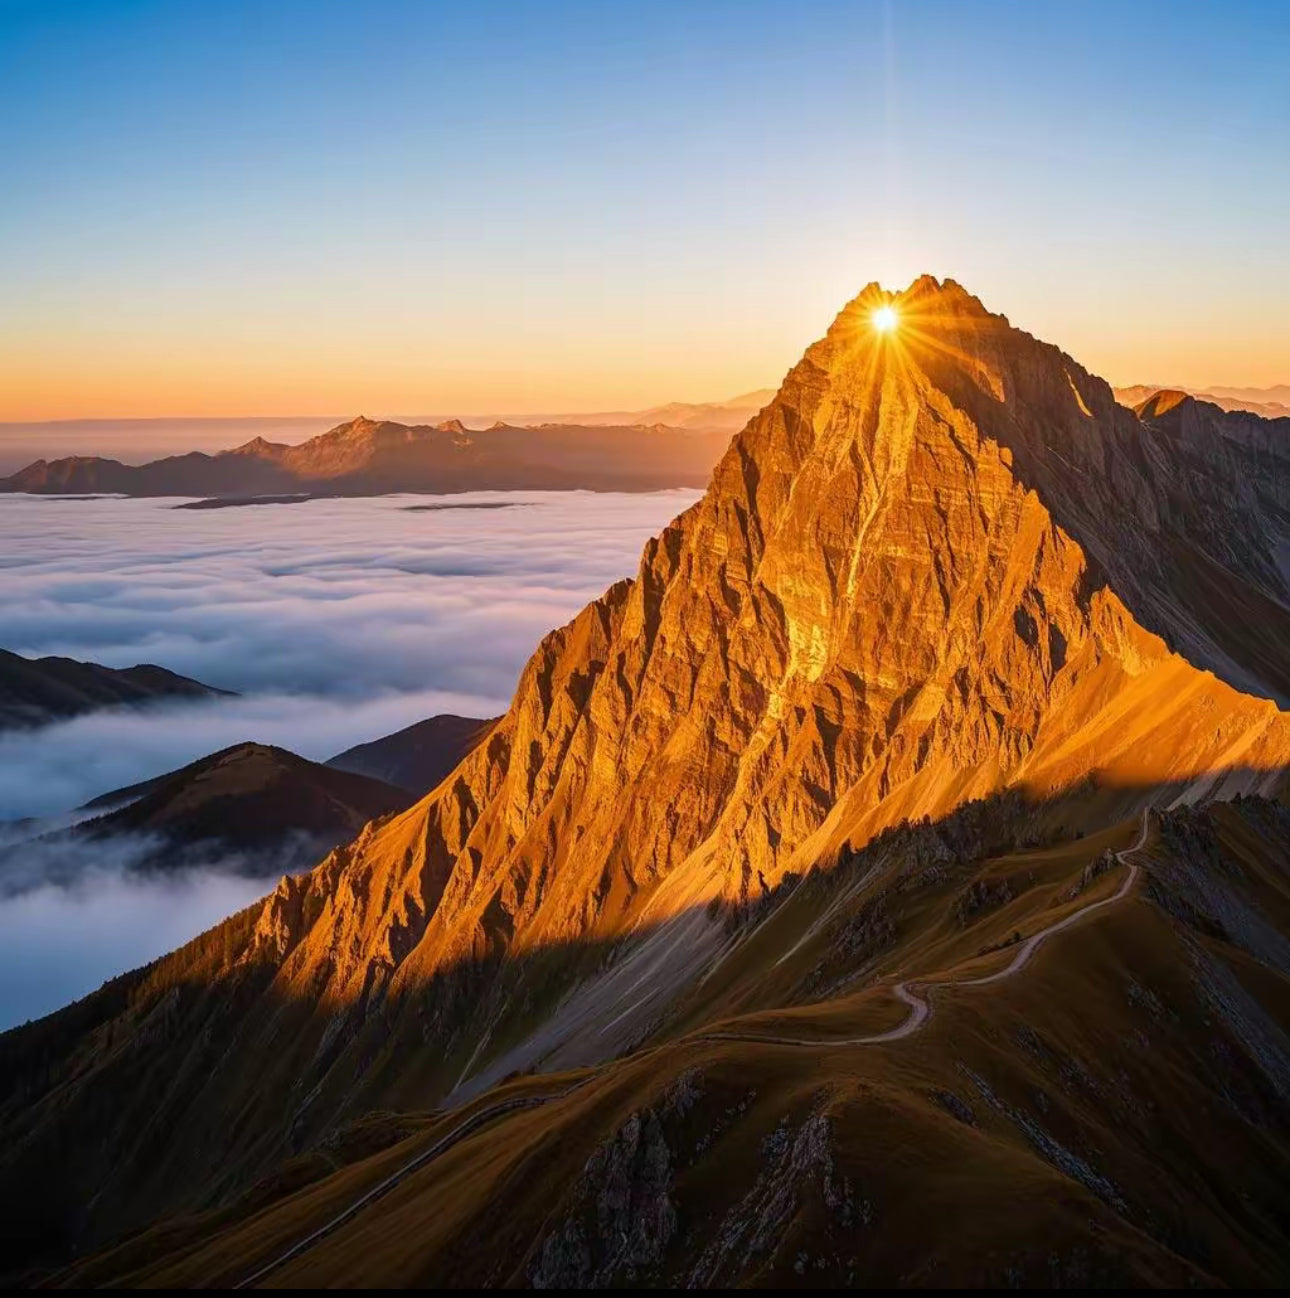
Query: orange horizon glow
x=494 y=363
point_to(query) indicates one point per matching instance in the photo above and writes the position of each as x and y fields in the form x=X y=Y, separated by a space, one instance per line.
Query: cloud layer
x=337 y=621
x=58 y=943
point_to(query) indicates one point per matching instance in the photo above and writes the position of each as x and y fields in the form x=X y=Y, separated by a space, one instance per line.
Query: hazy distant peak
x=1160 y=403
x=753 y=400
x=1267 y=403
x=260 y=447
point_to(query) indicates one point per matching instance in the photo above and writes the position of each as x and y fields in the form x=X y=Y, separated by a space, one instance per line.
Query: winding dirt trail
x=920 y=1009
x=463 y=1129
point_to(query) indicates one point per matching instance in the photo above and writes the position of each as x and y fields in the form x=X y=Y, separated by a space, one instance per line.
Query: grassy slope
x=1116 y=1113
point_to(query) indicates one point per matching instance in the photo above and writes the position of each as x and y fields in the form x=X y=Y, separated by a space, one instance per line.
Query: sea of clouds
x=336 y=621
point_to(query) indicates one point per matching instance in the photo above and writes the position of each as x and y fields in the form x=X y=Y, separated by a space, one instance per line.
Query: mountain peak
x=918 y=328
x=905 y=587
x=923 y=296
x=1161 y=403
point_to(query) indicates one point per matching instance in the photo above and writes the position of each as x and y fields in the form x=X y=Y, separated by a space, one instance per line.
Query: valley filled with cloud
x=334 y=621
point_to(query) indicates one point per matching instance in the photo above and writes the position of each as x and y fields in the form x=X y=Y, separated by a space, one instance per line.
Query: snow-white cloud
x=58 y=943
x=337 y=621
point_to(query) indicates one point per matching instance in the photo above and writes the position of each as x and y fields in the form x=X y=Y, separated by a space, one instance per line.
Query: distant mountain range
x=1270 y=403
x=369 y=457
x=251 y=808
x=37 y=691
x=136 y=441
x=729 y=415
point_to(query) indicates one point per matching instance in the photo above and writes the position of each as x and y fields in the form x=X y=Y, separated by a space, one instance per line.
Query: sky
x=282 y=208
x=338 y=621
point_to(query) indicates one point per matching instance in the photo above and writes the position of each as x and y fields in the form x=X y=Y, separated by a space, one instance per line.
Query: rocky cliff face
x=873 y=614
x=942 y=564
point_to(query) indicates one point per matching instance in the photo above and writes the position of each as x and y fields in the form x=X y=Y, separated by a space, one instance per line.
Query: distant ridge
x=247 y=798
x=136 y=441
x=1269 y=403
x=37 y=691
x=370 y=457
x=419 y=756
x=251 y=809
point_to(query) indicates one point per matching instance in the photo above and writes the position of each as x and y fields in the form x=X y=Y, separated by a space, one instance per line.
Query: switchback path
x=920 y=1009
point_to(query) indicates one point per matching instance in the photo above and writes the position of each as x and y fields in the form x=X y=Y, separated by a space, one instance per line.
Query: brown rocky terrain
x=944 y=606
x=369 y=457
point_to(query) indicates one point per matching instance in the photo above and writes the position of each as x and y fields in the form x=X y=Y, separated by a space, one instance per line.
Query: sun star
x=885 y=319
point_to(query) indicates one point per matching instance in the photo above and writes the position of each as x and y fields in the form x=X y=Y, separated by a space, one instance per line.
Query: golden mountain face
x=941 y=571
x=870 y=617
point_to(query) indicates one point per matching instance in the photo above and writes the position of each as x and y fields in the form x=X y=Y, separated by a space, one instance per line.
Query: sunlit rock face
x=920 y=574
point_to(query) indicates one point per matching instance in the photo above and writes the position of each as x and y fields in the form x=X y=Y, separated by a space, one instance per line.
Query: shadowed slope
x=1038 y=1130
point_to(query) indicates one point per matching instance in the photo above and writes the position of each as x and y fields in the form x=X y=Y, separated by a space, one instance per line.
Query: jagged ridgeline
x=945 y=604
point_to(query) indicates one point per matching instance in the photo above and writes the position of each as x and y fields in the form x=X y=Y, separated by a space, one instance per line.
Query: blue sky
x=224 y=208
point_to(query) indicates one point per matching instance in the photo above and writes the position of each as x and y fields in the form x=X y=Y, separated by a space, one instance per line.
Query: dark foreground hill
x=37 y=691
x=369 y=457
x=858 y=895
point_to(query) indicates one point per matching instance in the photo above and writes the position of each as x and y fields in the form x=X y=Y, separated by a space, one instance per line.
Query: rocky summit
x=954 y=649
x=872 y=616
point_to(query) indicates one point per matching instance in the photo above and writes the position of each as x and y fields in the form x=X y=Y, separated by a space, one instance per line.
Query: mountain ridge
x=367 y=457
x=1269 y=403
x=419 y=756
x=38 y=691
x=250 y=809
x=274 y=795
